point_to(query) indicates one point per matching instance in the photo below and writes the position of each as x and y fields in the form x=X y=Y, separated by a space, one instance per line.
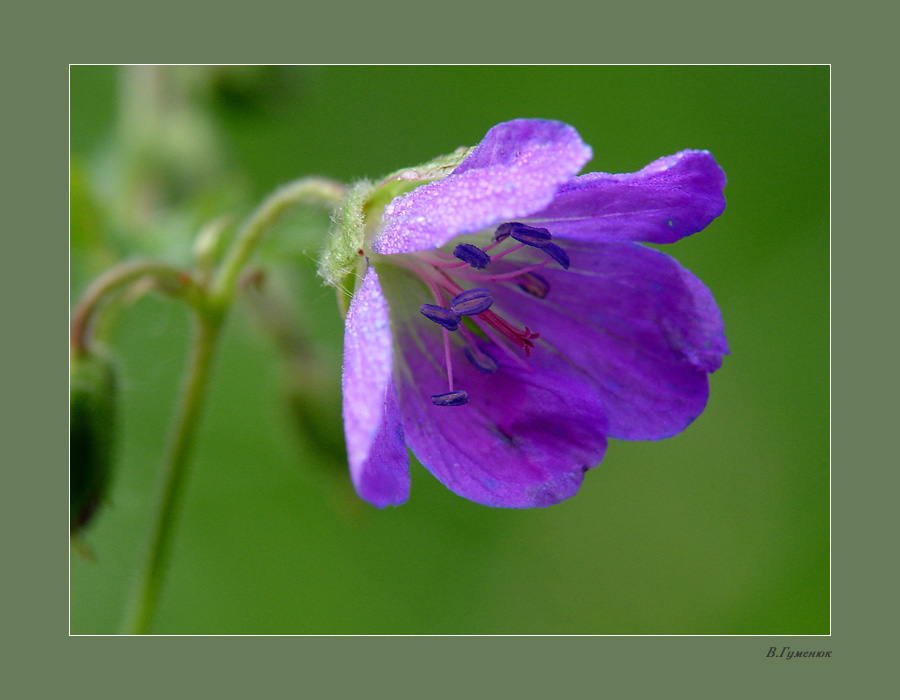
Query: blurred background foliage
x=723 y=529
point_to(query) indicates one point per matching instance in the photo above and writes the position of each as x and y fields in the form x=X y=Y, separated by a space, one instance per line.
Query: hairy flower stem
x=211 y=307
x=311 y=190
x=146 y=593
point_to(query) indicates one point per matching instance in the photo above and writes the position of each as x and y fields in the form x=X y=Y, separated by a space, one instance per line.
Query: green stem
x=211 y=308
x=112 y=281
x=310 y=190
x=146 y=594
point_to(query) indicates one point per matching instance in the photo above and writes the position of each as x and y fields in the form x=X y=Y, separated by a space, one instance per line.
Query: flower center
x=455 y=282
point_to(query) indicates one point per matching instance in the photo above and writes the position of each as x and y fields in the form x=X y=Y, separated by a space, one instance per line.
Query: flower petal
x=515 y=171
x=669 y=199
x=523 y=440
x=633 y=323
x=376 y=450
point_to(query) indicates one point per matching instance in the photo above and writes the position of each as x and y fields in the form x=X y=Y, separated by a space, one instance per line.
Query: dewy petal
x=376 y=450
x=633 y=323
x=515 y=171
x=524 y=439
x=669 y=199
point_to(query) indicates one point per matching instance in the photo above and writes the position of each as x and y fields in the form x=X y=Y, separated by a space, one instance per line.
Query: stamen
x=445 y=275
x=522 y=339
x=447 y=361
x=517 y=246
x=558 y=254
x=440 y=260
x=505 y=230
x=450 y=398
x=471 y=302
x=443 y=317
x=483 y=362
x=533 y=284
x=537 y=237
x=472 y=255
x=491 y=246
x=513 y=274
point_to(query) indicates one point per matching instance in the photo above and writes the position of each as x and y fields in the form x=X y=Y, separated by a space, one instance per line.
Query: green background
x=721 y=530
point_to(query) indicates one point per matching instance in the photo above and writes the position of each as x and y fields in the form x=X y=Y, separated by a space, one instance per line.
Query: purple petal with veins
x=515 y=171
x=515 y=323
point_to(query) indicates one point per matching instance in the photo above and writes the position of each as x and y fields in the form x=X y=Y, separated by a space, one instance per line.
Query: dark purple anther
x=534 y=284
x=450 y=398
x=529 y=235
x=483 y=362
x=504 y=230
x=472 y=302
x=444 y=317
x=558 y=254
x=472 y=255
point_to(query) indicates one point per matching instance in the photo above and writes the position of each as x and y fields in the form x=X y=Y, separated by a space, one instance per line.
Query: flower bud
x=92 y=426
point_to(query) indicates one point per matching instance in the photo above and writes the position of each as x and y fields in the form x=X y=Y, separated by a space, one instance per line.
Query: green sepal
x=92 y=429
x=358 y=220
x=348 y=235
x=435 y=169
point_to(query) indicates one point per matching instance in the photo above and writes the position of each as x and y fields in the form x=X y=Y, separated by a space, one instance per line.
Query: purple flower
x=508 y=322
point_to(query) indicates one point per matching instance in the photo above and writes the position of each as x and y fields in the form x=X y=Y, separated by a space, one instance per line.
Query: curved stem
x=111 y=281
x=146 y=593
x=310 y=190
x=210 y=305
